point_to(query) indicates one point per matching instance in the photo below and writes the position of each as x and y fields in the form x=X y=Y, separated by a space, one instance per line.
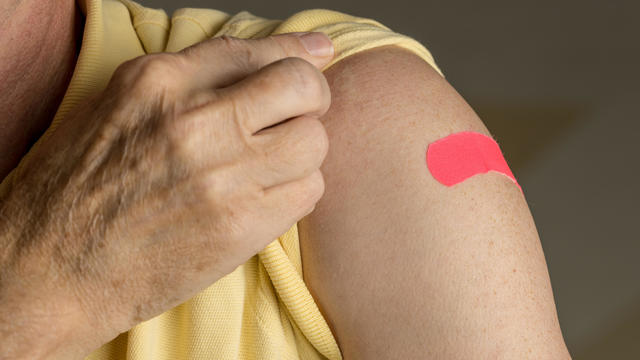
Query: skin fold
x=44 y=39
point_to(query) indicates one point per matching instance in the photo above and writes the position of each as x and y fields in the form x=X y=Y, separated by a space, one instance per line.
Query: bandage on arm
x=401 y=264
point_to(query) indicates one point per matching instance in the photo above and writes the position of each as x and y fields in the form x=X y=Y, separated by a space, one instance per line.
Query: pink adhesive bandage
x=462 y=155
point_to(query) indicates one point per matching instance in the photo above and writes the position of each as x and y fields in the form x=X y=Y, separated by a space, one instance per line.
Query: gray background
x=556 y=83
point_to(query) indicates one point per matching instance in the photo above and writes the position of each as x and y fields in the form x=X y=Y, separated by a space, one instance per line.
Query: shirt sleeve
x=263 y=309
x=351 y=34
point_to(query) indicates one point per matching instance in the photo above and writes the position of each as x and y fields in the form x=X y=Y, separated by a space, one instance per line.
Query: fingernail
x=317 y=43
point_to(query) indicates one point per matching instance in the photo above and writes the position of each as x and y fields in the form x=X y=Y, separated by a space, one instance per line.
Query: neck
x=43 y=40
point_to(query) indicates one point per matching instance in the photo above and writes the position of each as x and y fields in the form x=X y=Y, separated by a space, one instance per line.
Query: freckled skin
x=356 y=258
x=401 y=266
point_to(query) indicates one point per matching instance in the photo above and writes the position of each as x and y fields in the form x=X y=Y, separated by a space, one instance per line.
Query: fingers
x=292 y=150
x=245 y=123
x=288 y=152
x=224 y=60
x=251 y=215
x=287 y=203
x=225 y=127
x=229 y=125
x=281 y=90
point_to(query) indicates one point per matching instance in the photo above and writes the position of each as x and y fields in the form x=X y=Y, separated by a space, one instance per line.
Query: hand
x=177 y=173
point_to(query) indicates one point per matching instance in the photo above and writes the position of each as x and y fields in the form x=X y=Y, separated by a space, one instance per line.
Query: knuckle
x=210 y=190
x=315 y=188
x=158 y=70
x=183 y=138
x=316 y=141
x=220 y=187
x=126 y=69
x=305 y=78
x=325 y=98
x=307 y=145
x=136 y=81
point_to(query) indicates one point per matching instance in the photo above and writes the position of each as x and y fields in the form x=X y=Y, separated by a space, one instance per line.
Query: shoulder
x=393 y=90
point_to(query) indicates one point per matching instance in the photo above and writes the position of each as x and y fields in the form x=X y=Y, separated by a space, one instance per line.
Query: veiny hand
x=178 y=172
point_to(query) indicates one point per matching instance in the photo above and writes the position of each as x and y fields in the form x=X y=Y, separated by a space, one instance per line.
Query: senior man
x=210 y=186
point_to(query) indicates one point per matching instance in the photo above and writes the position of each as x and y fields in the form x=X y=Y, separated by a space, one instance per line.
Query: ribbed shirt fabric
x=263 y=309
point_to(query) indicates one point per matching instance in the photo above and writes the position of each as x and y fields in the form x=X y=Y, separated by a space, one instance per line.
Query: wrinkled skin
x=178 y=172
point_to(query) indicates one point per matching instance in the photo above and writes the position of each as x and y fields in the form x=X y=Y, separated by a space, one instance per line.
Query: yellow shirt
x=262 y=310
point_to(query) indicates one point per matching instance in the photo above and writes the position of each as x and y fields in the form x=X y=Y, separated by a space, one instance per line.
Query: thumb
x=225 y=60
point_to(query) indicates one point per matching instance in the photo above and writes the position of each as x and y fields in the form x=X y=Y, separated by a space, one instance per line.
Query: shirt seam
x=138 y=24
x=193 y=20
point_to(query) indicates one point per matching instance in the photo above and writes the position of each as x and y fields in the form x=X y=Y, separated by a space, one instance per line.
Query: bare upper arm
x=401 y=265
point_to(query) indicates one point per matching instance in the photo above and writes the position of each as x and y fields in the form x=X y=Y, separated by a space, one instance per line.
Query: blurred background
x=556 y=83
